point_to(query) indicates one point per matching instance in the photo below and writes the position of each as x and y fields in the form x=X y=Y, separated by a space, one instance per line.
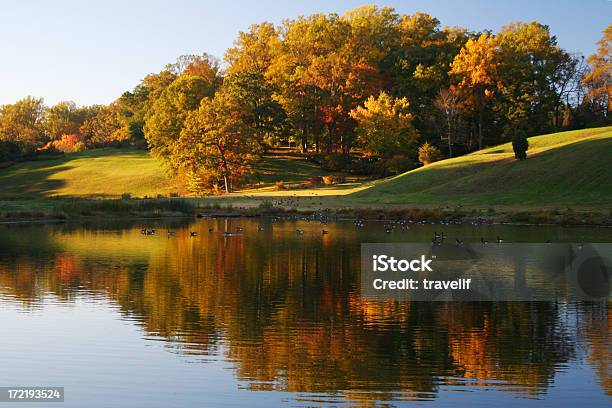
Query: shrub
x=9 y=151
x=429 y=153
x=329 y=180
x=66 y=143
x=362 y=166
x=79 y=146
x=520 y=145
x=335 y=161
x=316 y=181
x=47 y=152
x=394 y=165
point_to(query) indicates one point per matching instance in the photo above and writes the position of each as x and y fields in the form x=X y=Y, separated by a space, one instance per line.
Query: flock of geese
x=390 y=227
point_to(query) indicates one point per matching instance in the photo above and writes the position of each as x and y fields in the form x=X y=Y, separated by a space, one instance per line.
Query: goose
x=210 y=230
x=500 y=240
x=299 y=231
x=239 y=229
x=227 y=234
x=324 y=232
x=260 y=228
x=458 y=242
x=483 y=241
x=193 y=234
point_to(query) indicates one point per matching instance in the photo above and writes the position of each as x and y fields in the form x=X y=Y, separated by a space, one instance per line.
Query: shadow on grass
x=31 y=184
x=34 y=179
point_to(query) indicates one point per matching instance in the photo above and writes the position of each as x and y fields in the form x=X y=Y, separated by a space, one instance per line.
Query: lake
x=271 y=317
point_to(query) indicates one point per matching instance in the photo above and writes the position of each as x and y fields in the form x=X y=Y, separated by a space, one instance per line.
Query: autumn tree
x=476 y=65
x=63 y=118
x=385 y=126
x=166 y=118
x=22 y=123
x=428 y=153
x=254 y=50
x=204 y=66
x=102 y=127
x=599 y=79
x=308 y=44
x=216 y=143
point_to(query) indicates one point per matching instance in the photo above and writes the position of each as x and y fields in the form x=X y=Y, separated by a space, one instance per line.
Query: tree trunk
x=450 y=144
x=480 y=128
x=226 y=178
x=227 y=188
x=305 y=138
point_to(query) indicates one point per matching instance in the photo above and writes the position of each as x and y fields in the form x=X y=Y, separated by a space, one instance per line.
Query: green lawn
x=94 y=173
x=285 y=167
x=568 y=169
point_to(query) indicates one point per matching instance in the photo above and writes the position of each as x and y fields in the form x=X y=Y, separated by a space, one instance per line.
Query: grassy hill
x=563 y=170
x=569 y=169
x=92 y=173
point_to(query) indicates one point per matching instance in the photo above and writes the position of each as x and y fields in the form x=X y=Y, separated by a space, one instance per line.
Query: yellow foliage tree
x=384 y=125
x=476 y=65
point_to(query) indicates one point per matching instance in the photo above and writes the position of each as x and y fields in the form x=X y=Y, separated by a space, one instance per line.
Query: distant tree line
x=359 y=92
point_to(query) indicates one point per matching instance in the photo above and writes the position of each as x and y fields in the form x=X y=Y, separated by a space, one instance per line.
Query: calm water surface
x=268 y=318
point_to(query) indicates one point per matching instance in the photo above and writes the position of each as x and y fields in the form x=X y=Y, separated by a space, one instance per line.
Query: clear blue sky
x=90 y=52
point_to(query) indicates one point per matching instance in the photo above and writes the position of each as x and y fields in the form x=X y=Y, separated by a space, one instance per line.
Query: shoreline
x=87 y=210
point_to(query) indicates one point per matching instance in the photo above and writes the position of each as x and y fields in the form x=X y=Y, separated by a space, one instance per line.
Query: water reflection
x=285 y=309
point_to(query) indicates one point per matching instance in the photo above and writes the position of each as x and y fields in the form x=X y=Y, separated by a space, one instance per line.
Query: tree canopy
x=370 y=83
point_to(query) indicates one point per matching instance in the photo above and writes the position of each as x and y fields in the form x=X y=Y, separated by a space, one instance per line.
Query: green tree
x=423 y=55
x=520 y=144
x=262 y=112
x=531 y=65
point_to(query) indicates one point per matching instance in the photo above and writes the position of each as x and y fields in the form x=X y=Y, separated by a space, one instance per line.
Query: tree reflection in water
x=286 y=310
